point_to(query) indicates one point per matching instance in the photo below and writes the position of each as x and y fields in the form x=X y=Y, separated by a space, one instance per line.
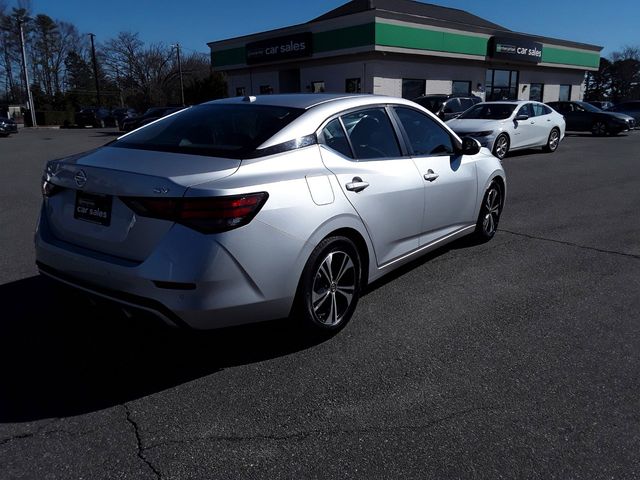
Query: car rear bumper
x=200 y=287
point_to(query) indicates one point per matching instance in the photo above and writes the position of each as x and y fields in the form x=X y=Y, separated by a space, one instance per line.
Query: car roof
x=294 y=100
x=318 y=106
x=511 y=102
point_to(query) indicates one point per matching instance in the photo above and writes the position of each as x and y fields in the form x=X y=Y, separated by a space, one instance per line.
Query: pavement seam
x=139 y=444
x=304 y=435
x=571 y=244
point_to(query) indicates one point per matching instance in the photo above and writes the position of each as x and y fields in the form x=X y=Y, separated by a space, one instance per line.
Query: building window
x=501 y=85
x=352 y=85
x=266 y=89
x=241 y=91
x=413 y=88
x=317 y=87
x=462 y=88
x=536 y=92
x=565 y=93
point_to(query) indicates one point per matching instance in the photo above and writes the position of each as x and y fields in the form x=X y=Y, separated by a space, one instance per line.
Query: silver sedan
x=255 y=208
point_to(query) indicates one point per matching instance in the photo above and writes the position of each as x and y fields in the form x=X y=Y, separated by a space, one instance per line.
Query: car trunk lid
x=87 y=211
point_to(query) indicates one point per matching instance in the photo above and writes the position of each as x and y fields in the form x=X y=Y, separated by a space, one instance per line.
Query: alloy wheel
x=334 y=287
x=599 y=129
x=554 y=139
x=491 y=209
x=501 y=147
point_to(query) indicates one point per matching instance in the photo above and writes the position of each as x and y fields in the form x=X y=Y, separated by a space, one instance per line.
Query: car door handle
x=430 y=176
x=356 y=185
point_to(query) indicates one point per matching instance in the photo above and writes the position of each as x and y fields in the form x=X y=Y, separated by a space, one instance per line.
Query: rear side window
x=371 y=134
x=425 y=136
x=333 y=136
x=539 y=109
x=525 y=110
x=225 y=130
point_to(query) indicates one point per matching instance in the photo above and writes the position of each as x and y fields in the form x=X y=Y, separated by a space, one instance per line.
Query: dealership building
x=406 y=49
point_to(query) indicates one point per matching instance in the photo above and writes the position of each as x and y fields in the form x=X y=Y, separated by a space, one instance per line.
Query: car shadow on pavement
x=595 y=137
x=107 y=133
x=62 y=354
x=461 y=243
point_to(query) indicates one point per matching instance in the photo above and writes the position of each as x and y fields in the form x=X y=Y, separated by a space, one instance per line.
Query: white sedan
x=506 y=126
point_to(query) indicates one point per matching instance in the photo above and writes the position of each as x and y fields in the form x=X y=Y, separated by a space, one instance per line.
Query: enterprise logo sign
x=515 y=49
x=281 y=48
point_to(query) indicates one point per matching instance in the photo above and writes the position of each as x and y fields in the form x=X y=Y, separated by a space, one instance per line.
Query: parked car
x=628 y=108
x=152 y=114
x=447 y=107
x=254 y=208
x=602 y=105
x=120 y=113
x=511 y=125
x=94 y=117
x=7 y=126
x=584 y=117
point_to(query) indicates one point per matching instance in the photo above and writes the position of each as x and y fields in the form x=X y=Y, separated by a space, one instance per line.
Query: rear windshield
x=489 y=111
x=217 y=130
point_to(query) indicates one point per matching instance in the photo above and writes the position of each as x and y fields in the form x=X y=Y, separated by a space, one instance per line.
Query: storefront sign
x=515 y=49
x=282 y=48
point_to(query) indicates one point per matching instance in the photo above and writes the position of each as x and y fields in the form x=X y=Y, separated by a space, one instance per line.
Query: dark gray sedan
x=7 y=126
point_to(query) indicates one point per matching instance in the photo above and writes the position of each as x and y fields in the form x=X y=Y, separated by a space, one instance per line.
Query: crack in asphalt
x=22 y=436
x=571 y=244
x=310 y=433
x=140 y=446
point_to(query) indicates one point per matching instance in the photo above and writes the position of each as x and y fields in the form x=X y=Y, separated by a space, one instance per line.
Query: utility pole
x=177 y=45
x=95 y=69
x=32 y=107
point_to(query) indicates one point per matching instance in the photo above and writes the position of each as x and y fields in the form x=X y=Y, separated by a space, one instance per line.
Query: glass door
x=501 y=84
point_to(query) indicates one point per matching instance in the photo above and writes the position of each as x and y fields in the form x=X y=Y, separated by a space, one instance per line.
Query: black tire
x=501 y=146
x=490 y=211
x=332 y=272
x=599 y=128
x=553 y=141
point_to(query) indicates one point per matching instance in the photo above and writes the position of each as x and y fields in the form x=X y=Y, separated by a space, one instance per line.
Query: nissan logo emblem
x=80 y=178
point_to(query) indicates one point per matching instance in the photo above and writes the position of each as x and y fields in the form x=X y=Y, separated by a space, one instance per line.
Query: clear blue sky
x=193 y=23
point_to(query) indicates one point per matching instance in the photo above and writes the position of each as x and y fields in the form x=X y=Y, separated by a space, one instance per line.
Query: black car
x=584 y=117
x=7 y=126
x=95 y=117
x=628 y=108
x=149 y=116
x=122 y=113
x=447 y=107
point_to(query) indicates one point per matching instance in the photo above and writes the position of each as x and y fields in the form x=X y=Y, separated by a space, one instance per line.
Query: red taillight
x=206 y=215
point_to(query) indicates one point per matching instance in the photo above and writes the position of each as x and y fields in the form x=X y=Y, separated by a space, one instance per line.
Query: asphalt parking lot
x=519 y=358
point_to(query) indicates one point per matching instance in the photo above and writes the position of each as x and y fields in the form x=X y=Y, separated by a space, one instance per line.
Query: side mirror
x=522 y=118
x=470 y=146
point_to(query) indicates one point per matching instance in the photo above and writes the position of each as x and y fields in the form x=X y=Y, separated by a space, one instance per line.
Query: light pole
x=177 y=45
x=32 y=107
x=95 y=69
